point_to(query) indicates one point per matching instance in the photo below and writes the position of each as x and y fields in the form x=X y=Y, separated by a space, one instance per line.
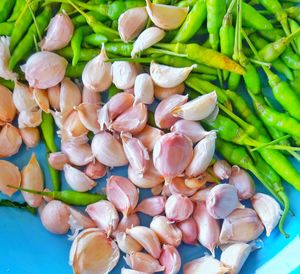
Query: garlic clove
x=148 y=136
x=198 y=182
x=131 y=23
x=54 y=97
x=170 y=259
x=213 y=116
x=127 y=222
x=88 y=115
x=189 y=231
x=268 y=210
x=41 y=98
x=58 y=119
x=82 y=219
x=163 y=116
x=201 y=195
x=7 y=108
x=166 y=232
x=163 y=93
x=90 y=97
x=222 y=169
x=177 y=186
x=73 y=127
x=77 y=180
x=10 y=141
x=29 y=118
x=23 y=97
x=30 y=136
x=146 y=39
x=178 y=208
x=103 y=119
x=78 y=154
x=44 y=69
x=95 y=170
x=123 y=74
x=5 y=72
x=169 y=77
x=9 y=173
x=131 y=271
x=58 y=159
x=143 y=89
x=119 y=103
x=166 y=16
x=144 y=262
x=152 y=206
x=127 y=244
x=147 y=238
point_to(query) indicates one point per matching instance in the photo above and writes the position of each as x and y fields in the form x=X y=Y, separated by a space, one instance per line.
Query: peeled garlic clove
x=143 y=89
x=197 y=109
x=143 y=262
x=133 y=120
x=122 y=193
x=152 y=206
x=131 y=23
x=235 y=255
x=243 y=183
x=72 y=125
x=90 y=97
x=222 y=169
x=119 y=103
x=108 y=150
x=127 y=244
x=29 y=118
x=146 y=39
x=54 y=97
x=123 y=74
x=163 y=116
x=7 y=108
x=9 y=174
x=166 y=16
x=127 y=222
x=189 y=231
x=78 y=154
x=170 y=259
x=166 y=232
x=4 y=59
x=88 y=115
x=172 y=154
x=203 y=153
x=242 y=225
x=105 y=215
x=44 y=69
x=208 y=227
x=77 y=180
x=147 y=239
x=131 y=271
x=168 y=77
x=148 y=136
x=41 y=98
x=95 y=170
x=30 y=136
x=23 y=97
x=268 y=210
x=57 y=160
x=178 y=186
x=10 y=141
x=163 y=93
x=178 y=208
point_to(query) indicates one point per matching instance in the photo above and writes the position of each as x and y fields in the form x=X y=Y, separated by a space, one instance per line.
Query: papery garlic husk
x=242 y=225
x=203 y=154
x=41 y=98
x=9 y=174
x=222 y=200
x=77 y=180
x=97 y=75
x=235 y=255
x=268 y=210
x=208 y=227
x=178 y=208
x=78 y=154
x=163 y=116
x=5 y=72
x=189 y=231
x=166 y=232
x=144 y=262
x=122 y=193
x=131 y=271
x=119 y=103
x=222 y=169
x=58 y=159
x=166 y=16
x=88 y=115
x=170 y=259
x=105 y=215
x=243 y=182
x=123 y=74
x=108 y=150
x=147 y=238
x=163 y=93
x=172 y=154
x=127 y=222
x=23 y=97
x=30 y=118
x=54 y=97
x=169 y=77
x=10 y=141
x=148 y=136
x=146 y=39
x=177 y=186
x=103 y=119
x=197 y=109
x=59 y=33
x=95 y=170
x=73 y=127
x=152 y=206
x=201 y=195
x=30 y=136
x=127 y=244
x=206 y=264
x=93 y=252
x=7 y=108
x=44 y=69
x=131 y=23
x=143 y=89
x=90 y=97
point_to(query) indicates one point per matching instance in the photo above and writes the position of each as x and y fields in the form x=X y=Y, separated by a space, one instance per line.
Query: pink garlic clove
x=163 y=93
x=88 y=115
x=30 y=136
x=81 y=219
x=127 y=222
x=177 y=186
x=78 y=154
x=201 y=195
x=72 y=125
x=57 y=160
x=170 y=259
x=41 y=98
x=10 y=141
x=144 y=262
x=127 y=244
x=123 y=74
x=9 y=173
x=22 y=97
x=166 y=192
x=189 y=231
x=130 y=91
x=90 y=97
x=7 y=108
x=119 y=103
x=54 y=97
x=178 y=208
x=222 y=169
x=152 y=206
x=143 y=89
x=148 y=136
x=28 y=118
x=95 y=170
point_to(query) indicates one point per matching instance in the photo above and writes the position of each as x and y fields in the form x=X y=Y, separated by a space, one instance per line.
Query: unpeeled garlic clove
x=88 y=115
x=95 y=170
x=30 y=118
x=77 y=180
x=146 y=39
x=177 y=186
x=122 y=193
x=81 y=219
x=90 y=97
x=30 y=136
x=169 y=77
x=127 y=222
x=203 y=154
x=119 y=103
x=189 y=231
x=7 y=108
x=105 y=215
x=131 y=271
x=166 y=232
x=162 y=115
x=268 y=210
x=123 y=74
x=152 y=206
x=222 y=169
x=242 y=225
x=5 y=72
x=23 y=97
x=73 y=127
x=78 y=154
x=10 y=141
x=163 y=93
x=178 y=208
x=143 y=89
x=198 y=182
x=170 y=259
x=9 y=174
x=41 y=98
x=54 y=97
x=131 y=23
x=144 y=262
x=44 y=69
x=166 y=16
x=127 y=244
x=148 y=136
x=201 y=195
x=58 y=159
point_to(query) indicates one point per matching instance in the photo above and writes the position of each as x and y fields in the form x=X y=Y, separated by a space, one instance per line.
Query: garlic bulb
x=178 y=208
x=143 y=89
x=170 y=259
x=127 y=244
x=23 y=97
x=10 y=141
x=124 y=74
x=7 y=107
x=143 y=262
x=9 y=173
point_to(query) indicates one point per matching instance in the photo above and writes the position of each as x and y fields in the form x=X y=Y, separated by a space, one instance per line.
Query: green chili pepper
x=234 y=81
x=113 y=90
x=151 y=119
x=80 y=19
x=272 y=35
x=64 y=7
x=186 y=3
x=291 y=59
x=19 y=5
x=8 y=203
x=6 y=28
x=294 y=26
x=75 y=71
x=295 y=83
x=85 y=54
x=95 y=39
x=7 y=83
x=294 y=12
x=6 y=7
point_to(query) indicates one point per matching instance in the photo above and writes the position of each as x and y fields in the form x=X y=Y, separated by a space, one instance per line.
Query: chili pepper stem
x=261 y=63
x=44 y=193
x=272 y=142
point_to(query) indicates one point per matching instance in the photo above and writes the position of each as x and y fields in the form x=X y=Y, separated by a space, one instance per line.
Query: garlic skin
x=148 y=136
x=23 y=97
x=170 y=259
x=4 y=59
x=73 y=127
x=123 y=74
x=95 y=170
x=169 y=77
x=198 y=182
x=222 y=169
x=143 y=89
x=242 y=225
x=131 y=23
x=189 y=231
x=152 y=206
x=166 y=16
x=90 y=97
x=10 y=141
x=119 y=103
x=7 y=108
x=29 y=118
x=97 y=76
x=166 y=232
x=268 y=210
x=43 y=76
x=9 y=173
x=54 y=97
x=178 y=208
x=177 y=186
x=58 y=159
x=88 y=115
x=30 y=136
x=146 y=39
x=78 y=154
x=163 y=93
x=127 y=222
x=81 y=218
x=127 y=244
x=41 y=98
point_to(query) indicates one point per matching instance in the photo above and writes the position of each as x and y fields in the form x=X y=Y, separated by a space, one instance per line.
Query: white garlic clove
x=222 y=169
x=143 y=89
x=23 y=97
x=30 y=136
x=58 y=119
x=152 y=206
x=119 y=103
x=177 y=186
x=58 y=159
x=95 y=170
x=29 y=118
x=127 y=244
x=148 y=136
x=143 y=262
x=7 y=108
x=163 y=93
x=10 y=141
x=178 y=208
x=5 y=72
x=9 y=173
x=78 y=154
x=41 y=98
x=90 y=97
x=88 y=115
x=189 y=231
x=54 y=97
x=124 y=74
x=127 y=222
x=170 y=259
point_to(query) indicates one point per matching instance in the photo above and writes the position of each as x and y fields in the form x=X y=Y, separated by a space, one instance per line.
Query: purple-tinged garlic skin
x=178 y=208
x=201 y=195
x=10 y=141
x=90 y=97
x=9 y=173
x=189 y=231
x=222 y=169
x=152 y=206
x=95 y=170
x=127 y=244
x=119 y=103
x=170 y=259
